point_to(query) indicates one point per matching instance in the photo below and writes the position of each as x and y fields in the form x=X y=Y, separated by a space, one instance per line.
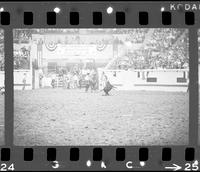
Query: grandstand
x=160 y=48
x=152 y=42
x=136 y=50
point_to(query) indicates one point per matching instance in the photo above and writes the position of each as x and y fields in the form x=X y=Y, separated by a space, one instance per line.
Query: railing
x=18 y=79
x=148 y=79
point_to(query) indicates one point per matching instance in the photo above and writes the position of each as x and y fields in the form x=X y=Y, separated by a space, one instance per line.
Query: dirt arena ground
x=1 y=119
x=73 y=117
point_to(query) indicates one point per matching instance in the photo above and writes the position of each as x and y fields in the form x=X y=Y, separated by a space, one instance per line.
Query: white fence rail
x=160 y=80
x=18 y=79
x=155 y=80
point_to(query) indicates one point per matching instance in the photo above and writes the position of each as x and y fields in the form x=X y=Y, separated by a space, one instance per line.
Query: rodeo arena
x=101 y=87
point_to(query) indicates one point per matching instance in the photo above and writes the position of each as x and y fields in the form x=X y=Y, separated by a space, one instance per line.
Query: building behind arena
x=133 y=59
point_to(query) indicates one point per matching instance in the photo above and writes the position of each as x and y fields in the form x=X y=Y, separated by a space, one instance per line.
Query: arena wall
x=46 y=82
x=18 y=79
x=149 y=80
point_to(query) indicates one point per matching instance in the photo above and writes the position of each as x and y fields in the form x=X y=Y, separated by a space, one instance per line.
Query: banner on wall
x=78 y=51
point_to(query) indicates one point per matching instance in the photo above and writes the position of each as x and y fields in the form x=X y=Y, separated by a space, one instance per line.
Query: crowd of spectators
x=137 y=35
x=165 y=49
x=164 y=38
x=123 y=35
x=22 y=35
x=90 y=36
x=161 y=48
x=22 y=58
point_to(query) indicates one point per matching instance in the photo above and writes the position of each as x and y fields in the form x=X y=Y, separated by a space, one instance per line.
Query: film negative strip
x=99 y=86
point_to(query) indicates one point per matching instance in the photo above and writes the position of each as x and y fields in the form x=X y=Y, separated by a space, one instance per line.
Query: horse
x=108 y=87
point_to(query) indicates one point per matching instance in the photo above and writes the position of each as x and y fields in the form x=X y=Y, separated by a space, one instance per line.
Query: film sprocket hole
x=99 y=86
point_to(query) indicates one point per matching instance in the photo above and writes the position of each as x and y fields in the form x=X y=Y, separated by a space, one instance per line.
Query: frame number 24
x=7 y=167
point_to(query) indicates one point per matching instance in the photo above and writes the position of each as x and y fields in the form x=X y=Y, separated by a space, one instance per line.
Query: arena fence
x=19 y=75
x=148 y=79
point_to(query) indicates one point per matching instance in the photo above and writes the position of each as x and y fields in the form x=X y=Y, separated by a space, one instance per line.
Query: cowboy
x=108 y=87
